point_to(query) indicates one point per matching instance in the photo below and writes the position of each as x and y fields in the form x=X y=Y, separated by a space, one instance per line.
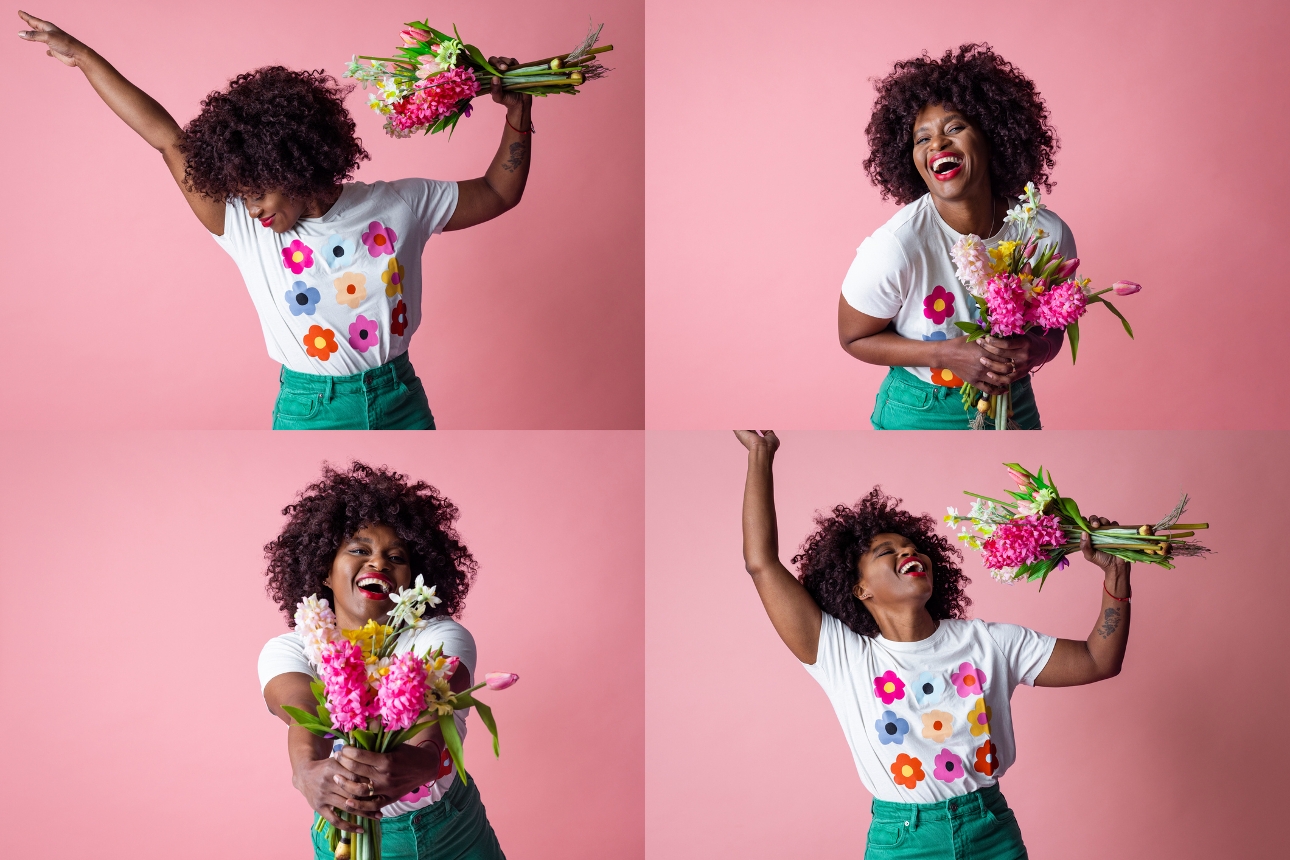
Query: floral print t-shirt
x=929 y=720
x=341 y=294
x=904 y=273
x=286 y=653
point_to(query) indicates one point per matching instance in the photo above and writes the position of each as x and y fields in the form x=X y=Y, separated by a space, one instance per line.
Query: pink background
x=1170 y=117
x=1179 y=756
x=134 y=612
x=124 y=313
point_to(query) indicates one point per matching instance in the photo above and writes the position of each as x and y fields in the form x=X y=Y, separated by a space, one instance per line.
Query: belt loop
x=394 y=377
x=913 y=818
x=331 y=388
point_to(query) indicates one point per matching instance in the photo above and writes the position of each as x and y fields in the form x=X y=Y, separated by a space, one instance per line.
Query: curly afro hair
x=987 y=89
x=340 y=503
x=830 y=559
x=273 y=129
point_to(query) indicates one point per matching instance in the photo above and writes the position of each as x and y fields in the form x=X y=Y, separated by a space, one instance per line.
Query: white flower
x=1007 y=575
x=952 y=517
x=410 y=603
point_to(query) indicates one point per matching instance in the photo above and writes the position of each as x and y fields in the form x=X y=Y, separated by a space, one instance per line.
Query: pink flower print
x=939 y=305
x=362 y=334
x=888 y=687
x=419 y=793
x=379 y=239
x=968 y=680
x=297 y=256
x=949 y=766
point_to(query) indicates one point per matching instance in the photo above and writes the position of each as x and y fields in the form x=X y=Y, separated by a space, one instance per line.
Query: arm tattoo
x=1110 y=621
x=518 y=150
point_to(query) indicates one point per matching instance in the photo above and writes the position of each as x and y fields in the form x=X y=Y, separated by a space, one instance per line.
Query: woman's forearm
x=1110 y=636
x=761 y=531
x=509 y=171
x=891 y=350
x=305 y=748
x=136 y=108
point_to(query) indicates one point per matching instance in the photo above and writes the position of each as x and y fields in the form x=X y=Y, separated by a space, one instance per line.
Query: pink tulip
x=451 y=664
x=1031 y=247
x=1066 y=269
x=1125 y=288
x=413 y=36
x=500 y=680
x=1023 y=481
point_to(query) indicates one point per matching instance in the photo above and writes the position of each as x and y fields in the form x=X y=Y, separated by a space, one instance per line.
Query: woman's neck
x=319 y=205
x=975 y=213
x=904 y=624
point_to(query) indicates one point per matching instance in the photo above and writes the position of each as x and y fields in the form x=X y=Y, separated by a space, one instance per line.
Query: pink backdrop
x=150 y=544
x=1170 y=118
x=1175 y=757
x=126 y=314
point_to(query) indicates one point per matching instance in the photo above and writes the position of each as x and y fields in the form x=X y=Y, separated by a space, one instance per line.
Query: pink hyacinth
x=1006 y=299
x=402 y=695
x=344 y=676
x=1060 y=305
x=1021 y=541
x=435 y=98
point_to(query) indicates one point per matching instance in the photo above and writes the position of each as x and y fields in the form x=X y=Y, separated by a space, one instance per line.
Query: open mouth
x=911 y=567
x=946 y=165
x=374 y=586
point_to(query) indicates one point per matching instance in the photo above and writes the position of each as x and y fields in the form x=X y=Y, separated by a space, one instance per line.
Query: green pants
x=454 y=828
x=974 y=826
x=389 y=397
x=905 y=402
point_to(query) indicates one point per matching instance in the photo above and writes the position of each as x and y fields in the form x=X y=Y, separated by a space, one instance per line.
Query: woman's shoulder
x=286 y=644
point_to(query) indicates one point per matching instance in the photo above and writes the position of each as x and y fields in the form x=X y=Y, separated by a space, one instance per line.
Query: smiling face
x=893 y=572
x=369 y=565
x=951 y=154
x=275 y=211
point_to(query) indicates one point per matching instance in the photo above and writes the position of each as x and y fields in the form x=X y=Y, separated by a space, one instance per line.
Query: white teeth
x=910 y=565
x=952 y=159
x=374 y=580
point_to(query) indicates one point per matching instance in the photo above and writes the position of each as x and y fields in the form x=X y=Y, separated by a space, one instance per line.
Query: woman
x=922 y=693
x=333 y=266
x=953 y=140
x=353 y=538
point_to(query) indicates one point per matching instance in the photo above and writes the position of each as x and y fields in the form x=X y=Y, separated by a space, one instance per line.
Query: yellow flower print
x=351 y=289
x=393 y=277
x=937 y=725
x=978 y=719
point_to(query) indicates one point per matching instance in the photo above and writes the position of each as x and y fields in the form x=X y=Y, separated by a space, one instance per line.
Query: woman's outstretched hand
x=59 y=45
x=753 y=440
x=390 y=775
x=327 y=786
x=1110 y=564
x=511 y=100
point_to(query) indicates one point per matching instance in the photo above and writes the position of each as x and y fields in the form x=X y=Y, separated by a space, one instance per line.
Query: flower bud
x=1031 y=247
x=1125 y=288
x=1066 y=269
x=413 y=36
x=500 y=680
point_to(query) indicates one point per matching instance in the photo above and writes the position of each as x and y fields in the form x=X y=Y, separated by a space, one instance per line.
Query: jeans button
x=906 y=823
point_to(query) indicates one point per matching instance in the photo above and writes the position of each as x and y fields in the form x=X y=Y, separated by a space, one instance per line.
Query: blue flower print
x=929 y=688
x=302 y=299
x=891 y=728
x=338 y=252
x=936 y=335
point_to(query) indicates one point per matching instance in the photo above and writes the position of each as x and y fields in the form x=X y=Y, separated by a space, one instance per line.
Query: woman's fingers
x=328 y=812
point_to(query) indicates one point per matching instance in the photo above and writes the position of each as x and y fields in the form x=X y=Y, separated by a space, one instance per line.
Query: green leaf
x=969 y=327
x=1072 y=332
x=1112 y=308
x=304 y=718
x=317 y=689
x=452 y=741
x=486 y=715
x=1072 y=509
x=478 y=57
x=324 y=715
x=364 y=739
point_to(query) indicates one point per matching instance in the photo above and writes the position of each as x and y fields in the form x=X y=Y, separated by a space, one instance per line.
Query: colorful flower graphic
x=907 y=771
x=945 y=376
x=297 y=256
x=929 y=689
x=987 y=758
x=351 y=289
x=936 y=335
x=338 y=252
x=393 y=277
x=949 y=766
x=399 y=319
x=939 y=306
x=968 y=681
x=978 y=718
x=362 y=334
x=379 y=239
x=888 y=687
x=320 y=342
x=891 y=728
x=302 y=299
x=938 y=726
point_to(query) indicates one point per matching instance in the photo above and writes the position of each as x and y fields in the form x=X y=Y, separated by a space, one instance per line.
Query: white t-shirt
x=341 y=294
x=286 y=653
x=929 y=720
x=904 y=273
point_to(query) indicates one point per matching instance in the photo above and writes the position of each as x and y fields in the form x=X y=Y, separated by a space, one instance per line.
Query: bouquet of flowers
x=1018 y=287
x=1030 y=536
x=376 y=699
x=430 y=84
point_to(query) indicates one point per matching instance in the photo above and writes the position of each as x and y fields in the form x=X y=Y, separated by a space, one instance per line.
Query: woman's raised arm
x=791 y=609
x=136 y=109
x=502 y=185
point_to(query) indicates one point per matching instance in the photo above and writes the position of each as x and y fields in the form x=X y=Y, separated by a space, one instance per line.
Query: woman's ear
x=860 y=592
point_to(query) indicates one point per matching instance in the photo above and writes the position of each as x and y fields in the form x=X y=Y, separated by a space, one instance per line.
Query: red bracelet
x=1113 y=597
x=513 y=128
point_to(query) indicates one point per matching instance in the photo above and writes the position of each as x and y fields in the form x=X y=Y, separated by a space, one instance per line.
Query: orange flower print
x=945 y=376
x=907 y=771
x=393 y=277
x=351 y=289
x=937 y=725
x=320 y=342
x=987 y=759
x=978 y=719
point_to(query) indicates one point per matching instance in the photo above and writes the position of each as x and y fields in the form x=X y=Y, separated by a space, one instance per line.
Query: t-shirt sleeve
x=1026 y=651
x=280 y=655
x=877 y=282
x=832 y=661
x=432 y=201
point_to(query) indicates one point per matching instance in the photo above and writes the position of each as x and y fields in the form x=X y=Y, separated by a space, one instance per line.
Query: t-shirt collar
x=928 y=644
x=955 y=235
